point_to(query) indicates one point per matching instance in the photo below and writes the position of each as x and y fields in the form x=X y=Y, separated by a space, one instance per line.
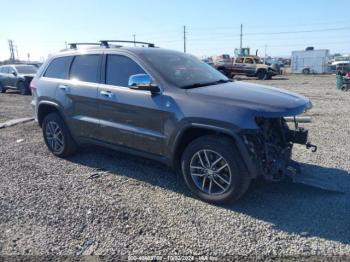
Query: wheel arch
x=194 y=131
x=45 y=108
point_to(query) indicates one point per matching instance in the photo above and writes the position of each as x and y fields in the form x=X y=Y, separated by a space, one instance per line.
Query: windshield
x=183 y=70
x=26 y=69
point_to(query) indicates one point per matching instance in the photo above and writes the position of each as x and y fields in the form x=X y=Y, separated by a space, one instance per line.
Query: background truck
x=250 y=66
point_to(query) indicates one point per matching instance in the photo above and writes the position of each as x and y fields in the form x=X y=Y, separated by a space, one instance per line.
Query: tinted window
x=86 y=68
x=26 y=69
x=11 y=70
x=59 y=68
x=119 y=69
x=3 y=70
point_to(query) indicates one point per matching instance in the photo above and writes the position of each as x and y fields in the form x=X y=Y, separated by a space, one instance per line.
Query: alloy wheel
x=54 y=137
x=210 y=172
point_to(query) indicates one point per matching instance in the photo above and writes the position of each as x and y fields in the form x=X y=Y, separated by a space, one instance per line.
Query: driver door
x=130 y=118
x=12 y=77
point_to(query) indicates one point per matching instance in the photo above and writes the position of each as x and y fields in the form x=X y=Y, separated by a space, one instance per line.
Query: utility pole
x=17 y=52
x=12 y=54
x=241 y=38
x=184 y=39
x=134 y=39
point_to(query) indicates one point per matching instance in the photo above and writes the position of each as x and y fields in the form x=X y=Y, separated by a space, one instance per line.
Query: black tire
x=23 y=89
x=68 y=145
x=262 y=75
x=2 y=88
x=239 y=180
x=306 y=71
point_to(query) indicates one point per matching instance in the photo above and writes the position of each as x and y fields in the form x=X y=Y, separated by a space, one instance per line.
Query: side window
x=249 y=60
x=11 y=70
x=59 y=68
x=2 y=69
x=119 y=68
x=86 y=68
x=239 y=60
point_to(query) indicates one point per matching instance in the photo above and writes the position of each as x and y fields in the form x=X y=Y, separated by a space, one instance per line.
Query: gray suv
x=171 y=107
x=16 y=77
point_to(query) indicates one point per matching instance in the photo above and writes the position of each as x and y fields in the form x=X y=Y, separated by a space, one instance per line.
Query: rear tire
x=2 y=88
x=57 y=136
x=199 y=168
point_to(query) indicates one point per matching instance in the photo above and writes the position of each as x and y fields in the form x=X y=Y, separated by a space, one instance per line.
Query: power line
x=300 y=31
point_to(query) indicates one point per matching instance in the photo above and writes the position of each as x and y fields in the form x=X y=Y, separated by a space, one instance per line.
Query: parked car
x=250 y=66
x=16 y=77
x=171 y=107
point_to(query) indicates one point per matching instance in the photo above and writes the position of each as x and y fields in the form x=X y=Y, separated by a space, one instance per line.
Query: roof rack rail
x=105 y=43
x=75 y=45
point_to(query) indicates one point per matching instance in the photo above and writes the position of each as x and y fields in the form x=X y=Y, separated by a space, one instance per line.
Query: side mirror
x=14 y=73
x=142 y=82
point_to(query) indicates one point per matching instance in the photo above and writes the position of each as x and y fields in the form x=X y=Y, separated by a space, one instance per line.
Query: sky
x=41 y=27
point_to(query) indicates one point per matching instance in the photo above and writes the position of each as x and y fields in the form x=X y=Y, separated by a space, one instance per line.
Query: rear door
x=130 y=118
x=4 y=76
x=81 y=95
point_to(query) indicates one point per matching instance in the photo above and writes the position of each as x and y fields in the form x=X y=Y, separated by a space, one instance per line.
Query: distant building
x=310 y=61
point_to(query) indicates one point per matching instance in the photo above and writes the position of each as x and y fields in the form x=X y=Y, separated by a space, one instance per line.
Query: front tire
x=57 y=136
x=213 y=169
x=262 y=75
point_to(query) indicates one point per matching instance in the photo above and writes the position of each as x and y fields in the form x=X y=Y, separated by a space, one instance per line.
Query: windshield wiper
x=195 y=85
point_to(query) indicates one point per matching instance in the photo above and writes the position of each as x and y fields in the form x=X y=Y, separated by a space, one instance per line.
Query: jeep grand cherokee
x=168 y=106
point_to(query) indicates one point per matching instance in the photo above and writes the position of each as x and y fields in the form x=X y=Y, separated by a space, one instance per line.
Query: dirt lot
x=102 y=202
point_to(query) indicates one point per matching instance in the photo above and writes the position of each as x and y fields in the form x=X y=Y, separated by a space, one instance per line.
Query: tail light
x=32 y=86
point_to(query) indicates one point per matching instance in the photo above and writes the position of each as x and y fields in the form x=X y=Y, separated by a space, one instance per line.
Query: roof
x=134 y=50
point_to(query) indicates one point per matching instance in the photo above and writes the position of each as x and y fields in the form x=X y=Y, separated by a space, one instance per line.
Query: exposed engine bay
x=271 y=148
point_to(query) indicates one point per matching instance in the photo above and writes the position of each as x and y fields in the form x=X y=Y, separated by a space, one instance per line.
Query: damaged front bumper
x=270 y=148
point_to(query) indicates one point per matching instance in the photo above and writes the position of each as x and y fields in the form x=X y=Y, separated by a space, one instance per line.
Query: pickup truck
x=250 y=66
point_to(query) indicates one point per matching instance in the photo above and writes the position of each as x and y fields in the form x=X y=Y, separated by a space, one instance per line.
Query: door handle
x=106 y=93
x=63 y=87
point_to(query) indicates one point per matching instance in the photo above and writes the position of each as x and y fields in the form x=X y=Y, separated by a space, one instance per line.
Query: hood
x=261 y=100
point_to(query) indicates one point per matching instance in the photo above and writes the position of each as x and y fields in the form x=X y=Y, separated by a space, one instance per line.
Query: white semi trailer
x=310 y=61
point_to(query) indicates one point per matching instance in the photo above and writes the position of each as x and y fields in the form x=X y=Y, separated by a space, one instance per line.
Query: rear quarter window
x=59 y=68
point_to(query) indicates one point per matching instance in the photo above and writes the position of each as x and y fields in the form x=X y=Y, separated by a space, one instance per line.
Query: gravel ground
x=13 y=105
x=102 y=202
